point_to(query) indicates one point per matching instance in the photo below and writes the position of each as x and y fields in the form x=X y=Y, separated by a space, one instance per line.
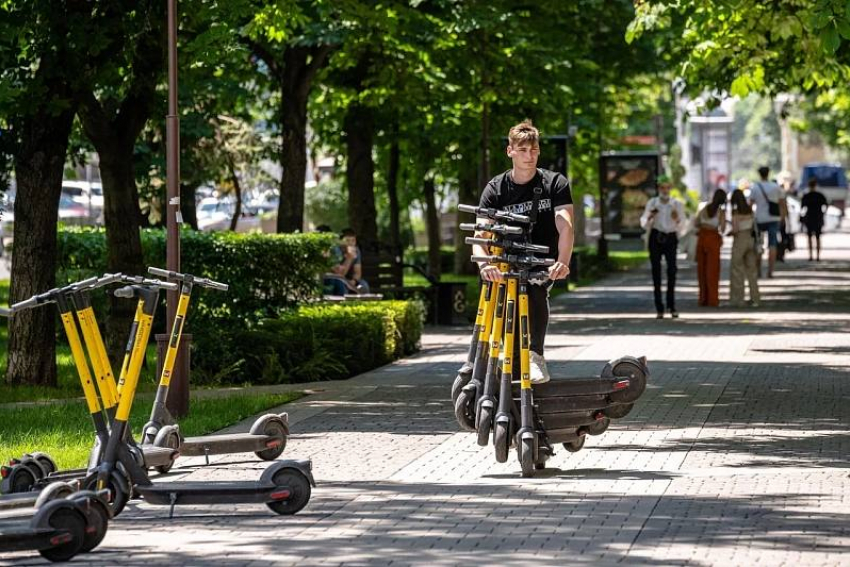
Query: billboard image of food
x=628 y=182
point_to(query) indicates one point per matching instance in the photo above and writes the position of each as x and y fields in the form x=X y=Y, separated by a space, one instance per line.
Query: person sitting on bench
x=346 y=276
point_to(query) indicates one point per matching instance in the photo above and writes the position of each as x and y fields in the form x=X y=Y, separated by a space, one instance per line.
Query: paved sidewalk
x=736 y=455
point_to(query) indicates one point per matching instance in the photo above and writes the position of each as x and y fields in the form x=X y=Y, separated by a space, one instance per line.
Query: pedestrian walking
x=662 y=218
x=812 y=210
x=710 y=223
x=770 y=211
x=745 y=252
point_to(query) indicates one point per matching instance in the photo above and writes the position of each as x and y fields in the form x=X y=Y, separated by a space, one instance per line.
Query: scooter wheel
x=276 y=430
x=526 y=457
x=637 y=382
x=33 y=465
x=575 y=446
x=47 y=463
x=485 y=420
x=118 y=487
x=53 y=491
x=618 y=410
x=599 y=427
x=464 y=410
x=62 y=515
x=170 y=438
x=502 y=441
x=97 y=516
x=461 y=380
x=19 y=479
x=299 y=492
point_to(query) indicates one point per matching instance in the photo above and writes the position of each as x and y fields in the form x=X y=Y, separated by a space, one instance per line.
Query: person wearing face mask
x=663 y=218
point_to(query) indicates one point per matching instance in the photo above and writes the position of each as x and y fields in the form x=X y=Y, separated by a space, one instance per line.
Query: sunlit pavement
x=737 y=454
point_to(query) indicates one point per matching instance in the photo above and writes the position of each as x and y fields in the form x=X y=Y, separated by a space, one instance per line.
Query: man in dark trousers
x=514 y=190
x=662 y=218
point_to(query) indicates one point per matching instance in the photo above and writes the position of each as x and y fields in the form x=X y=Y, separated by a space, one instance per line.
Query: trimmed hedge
x=261 y=331
x=266 y=272
x=324 y=341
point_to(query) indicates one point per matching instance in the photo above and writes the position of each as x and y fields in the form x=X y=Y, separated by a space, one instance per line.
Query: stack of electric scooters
x=492 y=395
x=63 y=513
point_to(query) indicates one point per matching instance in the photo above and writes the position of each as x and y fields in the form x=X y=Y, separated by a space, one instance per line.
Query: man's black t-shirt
x=813 y=202
x=502 y=193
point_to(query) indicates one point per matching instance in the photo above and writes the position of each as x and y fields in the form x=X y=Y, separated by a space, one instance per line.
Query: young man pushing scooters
x=514 y=191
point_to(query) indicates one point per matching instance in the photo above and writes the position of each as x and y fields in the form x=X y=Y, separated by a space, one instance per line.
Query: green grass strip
x=64 y=429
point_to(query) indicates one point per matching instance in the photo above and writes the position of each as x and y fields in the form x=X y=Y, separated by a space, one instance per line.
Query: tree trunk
x=237 y=188
x=360 y=174
x=122 y=218
x=468 y=194
x=39 y=167
x=293 y=159
x=432 y=220
x=392 y=190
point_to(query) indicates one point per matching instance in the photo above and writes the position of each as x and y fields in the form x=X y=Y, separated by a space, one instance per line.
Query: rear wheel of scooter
x=48 y=465
x=19 y=479
x=62 y=515
x=599 y=427
x=118 y=487
x=299 y=492
x=167 y=437
x=502 y=441
x=277 y=432
x=461 y=380
x=464 y=411
x=97 y=516
x=526 y=457
x=485 y=419
x=617 y=411
x=575 y=446
x=637 y=381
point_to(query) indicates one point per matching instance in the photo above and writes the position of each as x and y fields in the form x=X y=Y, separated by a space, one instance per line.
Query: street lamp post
x=178 y=398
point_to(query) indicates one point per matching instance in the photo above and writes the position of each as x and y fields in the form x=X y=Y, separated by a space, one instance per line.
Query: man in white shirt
x=663 y=217
x=770 y=210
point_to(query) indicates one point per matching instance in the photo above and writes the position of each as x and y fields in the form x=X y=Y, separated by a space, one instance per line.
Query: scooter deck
x=24 y=538
x=226 y=444
x=574 y=387
x=212 y=493
x=159 y=456
x=17 y=500
x=568 y=420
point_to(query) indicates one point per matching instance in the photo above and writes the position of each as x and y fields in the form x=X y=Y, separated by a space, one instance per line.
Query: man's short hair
x=523 y=133
x=347 y=232
x=764 y=171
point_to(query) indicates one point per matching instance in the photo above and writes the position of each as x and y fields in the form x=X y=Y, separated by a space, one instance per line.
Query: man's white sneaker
x=539 y=372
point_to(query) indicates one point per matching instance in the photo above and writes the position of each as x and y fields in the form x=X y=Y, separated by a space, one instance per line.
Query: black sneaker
x=674 y=314
x=659 y=315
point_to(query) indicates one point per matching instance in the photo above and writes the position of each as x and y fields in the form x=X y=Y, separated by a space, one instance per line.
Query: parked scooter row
x=493 y=396
x=118 y=467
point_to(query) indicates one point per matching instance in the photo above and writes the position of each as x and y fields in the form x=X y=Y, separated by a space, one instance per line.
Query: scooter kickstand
x=207 y=455
x=173 y=498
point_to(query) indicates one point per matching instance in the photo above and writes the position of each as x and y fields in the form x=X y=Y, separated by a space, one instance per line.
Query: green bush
x=324 y=341
x=266 y=272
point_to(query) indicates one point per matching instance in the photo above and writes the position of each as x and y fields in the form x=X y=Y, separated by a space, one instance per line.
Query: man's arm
x=647 y=218
x=566 y=237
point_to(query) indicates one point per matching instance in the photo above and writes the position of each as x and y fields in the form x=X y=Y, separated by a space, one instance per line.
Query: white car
x=89 y=195
x=215 y=214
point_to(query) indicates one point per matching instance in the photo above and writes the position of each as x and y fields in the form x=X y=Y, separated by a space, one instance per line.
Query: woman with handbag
x=745 y=252
x=710 y=223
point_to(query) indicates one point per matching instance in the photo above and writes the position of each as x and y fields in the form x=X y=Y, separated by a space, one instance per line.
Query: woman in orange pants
x=711 y=223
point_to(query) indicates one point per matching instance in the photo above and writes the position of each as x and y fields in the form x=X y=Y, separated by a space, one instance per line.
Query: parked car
x=215 y=214
x=89 y=195
x=831 y=220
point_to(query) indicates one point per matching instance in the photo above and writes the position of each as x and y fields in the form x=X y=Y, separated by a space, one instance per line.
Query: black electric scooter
x=268 y=435
x=285 y=486
x=59 y=529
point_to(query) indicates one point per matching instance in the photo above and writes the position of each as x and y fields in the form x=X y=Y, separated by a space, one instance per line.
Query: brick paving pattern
x=737 y=454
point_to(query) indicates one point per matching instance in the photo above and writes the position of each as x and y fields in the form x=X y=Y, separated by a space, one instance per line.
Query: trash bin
x=451 y=303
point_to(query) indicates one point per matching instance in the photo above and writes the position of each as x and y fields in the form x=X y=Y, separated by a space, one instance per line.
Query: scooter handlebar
x=5 y=312
x=495 y=214
x=494 y=228
x=194 y=280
